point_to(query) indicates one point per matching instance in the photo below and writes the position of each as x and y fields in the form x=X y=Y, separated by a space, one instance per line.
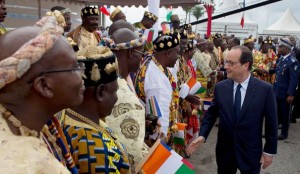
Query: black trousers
x=283 y=111
x=230 y=167
x=296 y=109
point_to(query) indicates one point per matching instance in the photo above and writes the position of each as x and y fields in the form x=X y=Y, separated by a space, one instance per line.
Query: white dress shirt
x=243 y=89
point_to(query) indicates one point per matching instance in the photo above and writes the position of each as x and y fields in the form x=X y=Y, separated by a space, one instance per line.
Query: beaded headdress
x=216 y=36
x=183 y=34
x=268 y=40
x=249 y=39
x=170 y=41
x=150 y=16
x=114 y=13
x=127 y=45
x=100 y=65
x=186 y=26
x=89 y=11
x=15 y=66
x=67 y=10
x=190 y=45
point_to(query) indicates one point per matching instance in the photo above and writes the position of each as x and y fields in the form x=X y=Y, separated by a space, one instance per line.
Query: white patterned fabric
x=127 y=121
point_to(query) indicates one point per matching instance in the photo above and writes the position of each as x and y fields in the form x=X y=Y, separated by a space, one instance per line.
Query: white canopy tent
x=286 y=25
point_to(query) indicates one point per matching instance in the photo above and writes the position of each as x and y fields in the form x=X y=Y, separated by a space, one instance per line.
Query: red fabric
x=209 y=10
x=192 y=69
x=242 y=21
x=104 y=11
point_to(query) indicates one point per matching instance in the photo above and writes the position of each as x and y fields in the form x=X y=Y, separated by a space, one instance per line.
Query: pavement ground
x=287 y=160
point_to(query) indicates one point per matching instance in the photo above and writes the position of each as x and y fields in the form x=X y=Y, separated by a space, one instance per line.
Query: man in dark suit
x=285 y=85
x=241 y=102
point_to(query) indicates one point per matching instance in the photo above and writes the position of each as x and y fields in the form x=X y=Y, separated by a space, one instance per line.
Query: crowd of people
x=92 y=101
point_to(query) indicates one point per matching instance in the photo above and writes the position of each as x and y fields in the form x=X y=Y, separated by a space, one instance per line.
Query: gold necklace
x=24 y=131
x=99 y=128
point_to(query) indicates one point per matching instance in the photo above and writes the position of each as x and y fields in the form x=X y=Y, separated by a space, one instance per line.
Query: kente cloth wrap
x=15 y=66
x=56 y=130
x=173 y=107
x=26 y=155
x=93 y=151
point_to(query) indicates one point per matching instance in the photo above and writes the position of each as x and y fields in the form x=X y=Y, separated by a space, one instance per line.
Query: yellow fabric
x=98 y=148
x=83 y=37
x=25 y=155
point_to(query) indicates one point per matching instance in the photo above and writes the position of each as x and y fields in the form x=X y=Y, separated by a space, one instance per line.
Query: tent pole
x=39 y=9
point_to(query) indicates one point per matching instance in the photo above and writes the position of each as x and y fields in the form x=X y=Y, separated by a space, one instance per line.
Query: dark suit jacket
x=242 y=140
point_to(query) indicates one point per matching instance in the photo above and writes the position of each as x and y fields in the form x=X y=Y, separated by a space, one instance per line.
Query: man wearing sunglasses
x=39 y=76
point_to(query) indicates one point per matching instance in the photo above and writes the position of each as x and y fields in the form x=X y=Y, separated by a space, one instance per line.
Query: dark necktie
x=237 y=102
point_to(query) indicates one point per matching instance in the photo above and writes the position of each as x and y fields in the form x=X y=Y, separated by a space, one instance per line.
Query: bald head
x=124 y=35
x=13 y=40
x=120 y=24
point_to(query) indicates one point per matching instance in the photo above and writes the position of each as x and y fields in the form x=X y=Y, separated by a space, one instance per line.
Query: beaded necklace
x=24 y=131
x=56 y=137
x=139 y=82
x=99 y=128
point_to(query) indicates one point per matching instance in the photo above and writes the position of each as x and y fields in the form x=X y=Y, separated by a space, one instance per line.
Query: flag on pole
x=148 y=33
x=242 y=20
x=179 y=136
x=166 y=28
x=161 y=159
x=154 y=107
x=195 y=86
x=104 y=11
x=207 y=103
x=169 y=14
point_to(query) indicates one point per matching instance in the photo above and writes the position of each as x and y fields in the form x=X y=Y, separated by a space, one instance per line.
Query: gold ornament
x=96 y=11
x=169 y=44
x=161 y=45
x=91 y=11
x=85 y=12
x=109 y=68
x=95 y=73
x=175 y=41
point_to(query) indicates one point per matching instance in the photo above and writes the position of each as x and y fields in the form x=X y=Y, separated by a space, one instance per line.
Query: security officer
x=287 y=76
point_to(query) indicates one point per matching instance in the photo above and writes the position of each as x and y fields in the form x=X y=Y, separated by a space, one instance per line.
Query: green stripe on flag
x=184 y=170
x=179 y=141
x=201 y=90
x=151 y=109
x=169 y=15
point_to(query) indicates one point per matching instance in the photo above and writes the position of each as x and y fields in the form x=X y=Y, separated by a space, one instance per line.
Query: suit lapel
x=229 y=99
x=248 y=97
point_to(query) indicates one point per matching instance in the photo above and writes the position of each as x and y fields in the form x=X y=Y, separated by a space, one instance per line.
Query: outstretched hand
x=195 y=144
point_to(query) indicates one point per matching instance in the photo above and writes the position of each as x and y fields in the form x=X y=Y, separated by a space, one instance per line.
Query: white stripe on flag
x=179 y=134
x=171 y=165
x=206 y=107
x=195 y=88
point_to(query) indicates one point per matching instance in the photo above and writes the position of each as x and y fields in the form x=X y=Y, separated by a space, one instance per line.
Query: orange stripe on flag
x=156 y=160
x=181 y=126
x=191 y=82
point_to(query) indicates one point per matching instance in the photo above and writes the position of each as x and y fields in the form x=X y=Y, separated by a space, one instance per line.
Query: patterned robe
x=127 y=120
x=26 y=155
x=93 y=151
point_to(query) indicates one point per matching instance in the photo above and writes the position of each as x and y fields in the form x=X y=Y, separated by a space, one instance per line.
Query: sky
x=264 y=16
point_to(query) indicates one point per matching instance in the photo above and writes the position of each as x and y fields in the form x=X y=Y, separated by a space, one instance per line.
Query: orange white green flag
x=161 y=159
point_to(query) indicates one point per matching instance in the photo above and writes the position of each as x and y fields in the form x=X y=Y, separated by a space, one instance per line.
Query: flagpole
x=151 y=150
